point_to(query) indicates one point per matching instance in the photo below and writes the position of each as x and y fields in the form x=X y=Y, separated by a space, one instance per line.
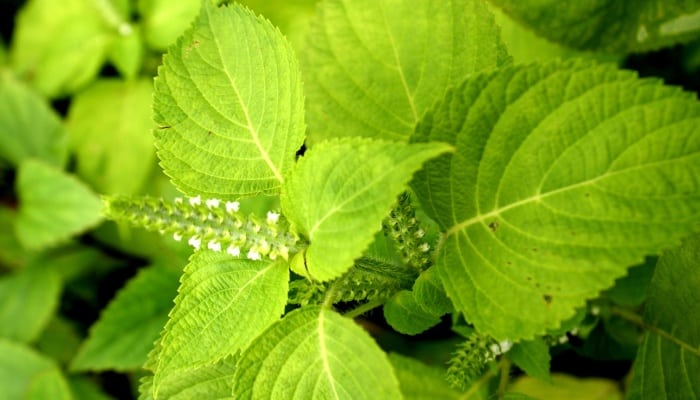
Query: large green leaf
x=60 y=46
x=222 y=305
x=373 y=67
x=28 y=300
x=340 y=192
x=210 y=382
x=563 y=176
x=230 y=111
x=53 y=205
x=532 y=356
x=110 y=124
x=28 y=126
x=565 y=387
x=668 y=360
x=314 y=353
x=124 y=334
x=292 y=17
x=611 y=25
x=26 y=374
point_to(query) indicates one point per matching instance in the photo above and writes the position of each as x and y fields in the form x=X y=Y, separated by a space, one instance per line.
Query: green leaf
x=429 y=293
x=631 y=290
x=405 y=315
x=109 y=124
x=59 y=340
x=222 y=305
x=668 y=360
x=566 y=387
x=28 y=126
x=126 y=53
x=564 y=175
x=25 y=374
x=28 y=300
x=84 y=388
x=122 y=337
x=53 y=206
x=378 y=66
x=341 y=190
x=531 y=356
x=422 y=382
x=292 y=17
x=314 y=353
x=164 y=20
x=59 y=47
x=230 y=111
x=609 y=25
x=211 y=381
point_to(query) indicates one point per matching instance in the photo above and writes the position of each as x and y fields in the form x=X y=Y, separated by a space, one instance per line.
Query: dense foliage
x=356 y=199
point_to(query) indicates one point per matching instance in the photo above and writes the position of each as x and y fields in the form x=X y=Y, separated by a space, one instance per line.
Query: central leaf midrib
x=249 y=124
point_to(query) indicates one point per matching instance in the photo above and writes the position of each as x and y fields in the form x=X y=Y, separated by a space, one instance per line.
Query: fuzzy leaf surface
x=429 y=293
x=609 y=25
x=28 y=126
x=222 y=305
x=26 y=374
x=28 y=300
x=53 y=205
x=210 y=382
x=315 y=353
x=668 y=360
x=122 y=337
x=378 y=65
x=230 y=111
x=532 y=356
x=564 y=175
x=109 y=124
x=340 y=192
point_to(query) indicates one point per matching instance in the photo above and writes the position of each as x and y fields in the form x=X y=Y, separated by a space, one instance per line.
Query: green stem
x=474 y=389
x=504 y=367
x=637 y=320
x=359 y=310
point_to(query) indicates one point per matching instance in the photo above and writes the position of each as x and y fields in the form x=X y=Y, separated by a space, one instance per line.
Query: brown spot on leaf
x=494 y=226
x=547 y=298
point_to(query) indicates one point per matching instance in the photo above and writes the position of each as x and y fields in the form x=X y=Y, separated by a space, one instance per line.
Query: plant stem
x=504 y=367
x=637 y=320
x=370 y=305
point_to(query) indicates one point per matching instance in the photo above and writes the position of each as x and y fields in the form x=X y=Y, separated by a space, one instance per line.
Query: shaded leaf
x=531 y=356
x=26 y=374
x=566 y=387
x=212 y=382
x=419 y=381
x=28 y=126
x=668 y=360
x=109 y=124
x=405 y=315
x=164 y=21
x=122 y=337
x=53 y=206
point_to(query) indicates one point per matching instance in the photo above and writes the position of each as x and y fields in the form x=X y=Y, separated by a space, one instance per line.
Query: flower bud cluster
x=211 y=224
x=472 y=357
x=407 y=234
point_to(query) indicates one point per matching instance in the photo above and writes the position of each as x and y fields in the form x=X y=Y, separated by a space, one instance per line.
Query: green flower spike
x=211 y=224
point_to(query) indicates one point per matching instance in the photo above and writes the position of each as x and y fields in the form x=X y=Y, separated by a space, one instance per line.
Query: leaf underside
x=564 y=175
x=230 y=111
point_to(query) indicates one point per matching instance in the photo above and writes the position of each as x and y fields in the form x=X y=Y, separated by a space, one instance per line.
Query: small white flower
x=177 y=236
x=272 y=217
x=563 y=339
x=178 y=200
x=213 y=203
x=283 y=251
x=595 y=310
x=495 y=350
x=232 y=206
x=254 y=255
x=272 y=255
x=195 y=201
x=420 y=233
x=195 y=242
x=233 y=251
x=505 y=345
x=214 y=245
x=425 y=247
x=574 y=331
